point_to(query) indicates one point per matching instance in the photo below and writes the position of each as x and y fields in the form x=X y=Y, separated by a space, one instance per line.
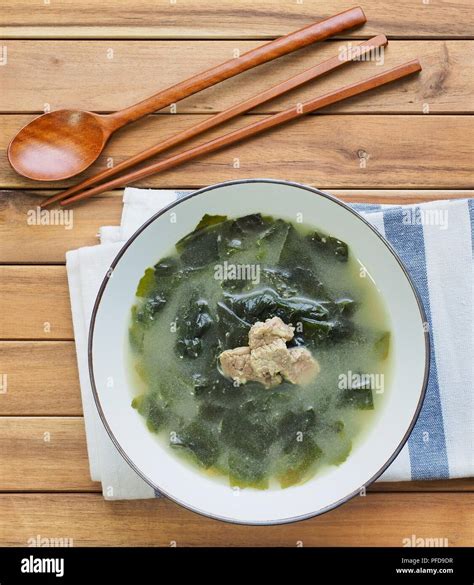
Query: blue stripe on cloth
x=426 y=444
x=366 y=207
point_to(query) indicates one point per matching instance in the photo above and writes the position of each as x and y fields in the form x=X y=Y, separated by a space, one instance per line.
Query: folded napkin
x=435 y=242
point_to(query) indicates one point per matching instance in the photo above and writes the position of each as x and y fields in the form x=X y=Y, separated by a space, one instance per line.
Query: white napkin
x=448 y=257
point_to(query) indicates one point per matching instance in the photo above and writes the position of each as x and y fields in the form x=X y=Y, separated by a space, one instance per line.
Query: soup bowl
x=154 y=461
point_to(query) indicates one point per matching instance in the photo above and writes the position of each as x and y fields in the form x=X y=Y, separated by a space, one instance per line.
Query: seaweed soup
x=202 y=299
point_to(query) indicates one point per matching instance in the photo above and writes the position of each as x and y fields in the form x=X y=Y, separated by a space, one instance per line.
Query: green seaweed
x=360 y=398
x=199 y=440
x=329 y=246
x=248 y=431
x=270 y=243
x=247 y=471
x=295 y=426
x=297 y=462
x=147 y=283
x=136 y=332
x=232 y=330
x=202 y=250
x=207 y=221
x=382 y=345
x=295 y=251
x=155 y=415
x=193 y=322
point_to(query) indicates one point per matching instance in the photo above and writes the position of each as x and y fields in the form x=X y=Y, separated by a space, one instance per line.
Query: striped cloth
x=435 y=242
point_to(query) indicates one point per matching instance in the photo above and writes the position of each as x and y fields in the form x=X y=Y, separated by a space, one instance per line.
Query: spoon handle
x=267 y=52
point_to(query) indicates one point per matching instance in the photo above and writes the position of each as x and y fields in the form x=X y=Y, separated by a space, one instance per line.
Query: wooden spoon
x=61 y=144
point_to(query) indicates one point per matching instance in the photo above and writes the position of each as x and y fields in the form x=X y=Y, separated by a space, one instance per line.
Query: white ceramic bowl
x=156 y=463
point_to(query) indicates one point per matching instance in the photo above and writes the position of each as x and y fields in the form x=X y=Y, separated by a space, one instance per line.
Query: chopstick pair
x=213 y=121
x=71 y=195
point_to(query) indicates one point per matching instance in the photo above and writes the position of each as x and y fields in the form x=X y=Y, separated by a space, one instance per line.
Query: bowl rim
x=95 y=393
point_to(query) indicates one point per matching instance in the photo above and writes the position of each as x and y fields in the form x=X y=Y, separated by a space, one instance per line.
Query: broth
x=221 y=279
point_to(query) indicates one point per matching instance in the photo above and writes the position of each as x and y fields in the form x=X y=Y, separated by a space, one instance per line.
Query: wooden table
x=409 y=142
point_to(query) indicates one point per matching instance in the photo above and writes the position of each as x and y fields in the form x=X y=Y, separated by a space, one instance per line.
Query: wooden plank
x=442 y=485
x=39 y=378
x=42 y=74
x=380 y=152
x=26 y=243
x=222 y=18
x=374 y=520
x=28 y=462
x=34 y=303
x=43 y=453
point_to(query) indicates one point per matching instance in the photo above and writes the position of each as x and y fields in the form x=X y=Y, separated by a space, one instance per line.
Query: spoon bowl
x=58 y=145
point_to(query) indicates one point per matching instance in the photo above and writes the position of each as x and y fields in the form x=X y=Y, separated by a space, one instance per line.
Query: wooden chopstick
x=350 y=54
x=255 y=128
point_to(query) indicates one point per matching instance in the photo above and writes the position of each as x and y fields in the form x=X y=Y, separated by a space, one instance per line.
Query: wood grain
x=41 y=379
x=31 y=242
x=374 y=520
x=44 y=453
x=441 y=485
x=43 y=73
x=25 y=243
x=34 y=303
x=225 y=18
x=329 y=151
